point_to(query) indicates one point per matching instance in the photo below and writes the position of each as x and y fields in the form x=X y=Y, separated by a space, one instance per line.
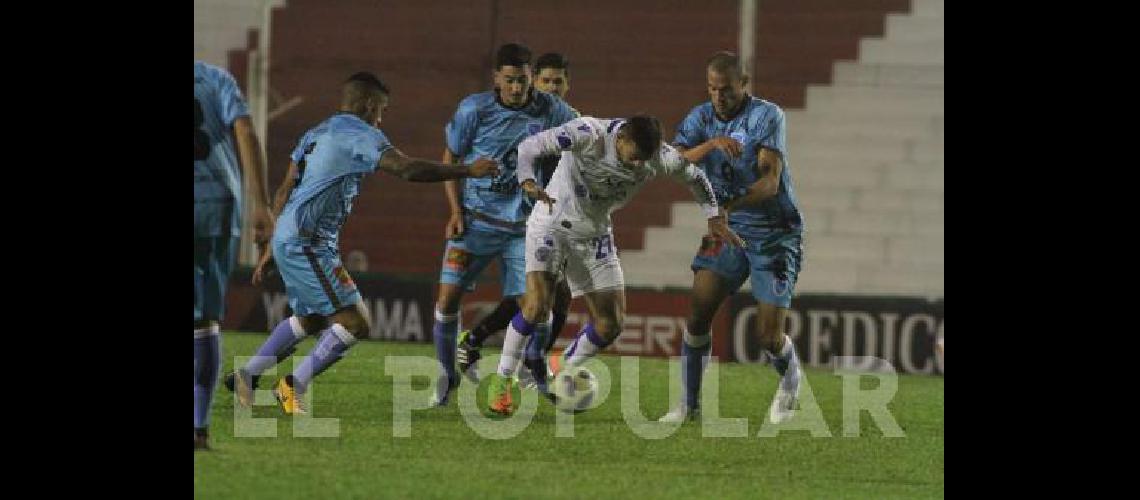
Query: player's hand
x=718 y=228
x=728 y=145
x=484 y=167
x=262 y=225
x=531 y=188
x=263 y=267
x=454 y=226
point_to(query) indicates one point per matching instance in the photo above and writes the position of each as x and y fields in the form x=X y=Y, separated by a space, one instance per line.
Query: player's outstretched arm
x=702 y=190
x=726 y=144
x=279 y=199
x=548 y=142
x=769 y=166
x=283 y=190
x=253 y=166
x=420 y=170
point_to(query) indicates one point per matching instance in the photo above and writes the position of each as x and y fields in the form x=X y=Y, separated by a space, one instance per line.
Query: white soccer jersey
x=590 y=183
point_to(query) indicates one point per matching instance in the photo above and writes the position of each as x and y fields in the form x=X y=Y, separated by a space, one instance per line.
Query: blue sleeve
x=460 y=131
x=372 y=150
x=772 y=132
x=231 y=103
x=299 y=150
x=690 y=133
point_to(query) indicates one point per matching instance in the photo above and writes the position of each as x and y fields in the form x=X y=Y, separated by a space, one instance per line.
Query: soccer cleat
x=200 y=440
x=526 y=379
x=681 y=413
x=499 y=396
x=290 y=401
x=466 y=356
x=555 y=363
x=242 y=384
x=784 y=404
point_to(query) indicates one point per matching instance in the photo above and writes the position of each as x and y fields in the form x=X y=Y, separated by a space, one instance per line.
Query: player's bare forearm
x=420 y=170
x=252 y=162
x=770 y=167
x=284 y=189
x=694 y=155
x=730 y=146
x=451 y=188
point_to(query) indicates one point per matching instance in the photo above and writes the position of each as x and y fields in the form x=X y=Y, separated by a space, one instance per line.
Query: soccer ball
x=575 y=388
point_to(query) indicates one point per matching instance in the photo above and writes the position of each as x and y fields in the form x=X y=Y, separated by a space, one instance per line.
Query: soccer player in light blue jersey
x=221 y=119
x=551 y=75
x=326 y=169
x=739 y=141
x=489 y=221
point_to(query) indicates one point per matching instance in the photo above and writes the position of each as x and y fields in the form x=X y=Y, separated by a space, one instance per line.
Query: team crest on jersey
x=533 y=128
x=457 y=259
x=740 y=137
x=579 y=190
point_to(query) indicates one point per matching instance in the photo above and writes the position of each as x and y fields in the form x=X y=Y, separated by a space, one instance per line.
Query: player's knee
x=313 y=324
x=535 y=309
x=608 y=328
x=448 y=300
x=354 y=322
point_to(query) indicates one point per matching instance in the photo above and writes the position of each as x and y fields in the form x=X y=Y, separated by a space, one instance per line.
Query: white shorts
x=588 y=264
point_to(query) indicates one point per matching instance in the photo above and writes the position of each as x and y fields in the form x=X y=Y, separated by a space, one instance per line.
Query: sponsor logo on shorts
x=342 y=276
x=780 y=286
x=710 y=247
x=457 y=259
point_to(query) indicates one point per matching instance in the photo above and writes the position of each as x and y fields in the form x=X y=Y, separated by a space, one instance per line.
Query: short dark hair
x=725 y=62
x=552 y=60
x=364 y=80
x=645 y=131
x=512 y=54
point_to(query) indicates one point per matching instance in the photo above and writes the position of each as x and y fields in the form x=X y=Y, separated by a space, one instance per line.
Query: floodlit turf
x=444 y=457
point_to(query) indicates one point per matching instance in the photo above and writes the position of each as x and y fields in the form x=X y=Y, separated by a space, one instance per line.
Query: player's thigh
x=512 y=266
x=463 y=261
x=592 y=264
x=708 y=293
x=544 y=256
x=775 y=263
x=315 y=280
x=729 y=262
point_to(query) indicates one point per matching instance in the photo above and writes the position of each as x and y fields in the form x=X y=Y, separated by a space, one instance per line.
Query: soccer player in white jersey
x=603 y=163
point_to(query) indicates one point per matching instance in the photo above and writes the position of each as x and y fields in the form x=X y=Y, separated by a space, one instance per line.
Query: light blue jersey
x=483 y=127
x=759 y=124
x=332 y=159
x=218 y=103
